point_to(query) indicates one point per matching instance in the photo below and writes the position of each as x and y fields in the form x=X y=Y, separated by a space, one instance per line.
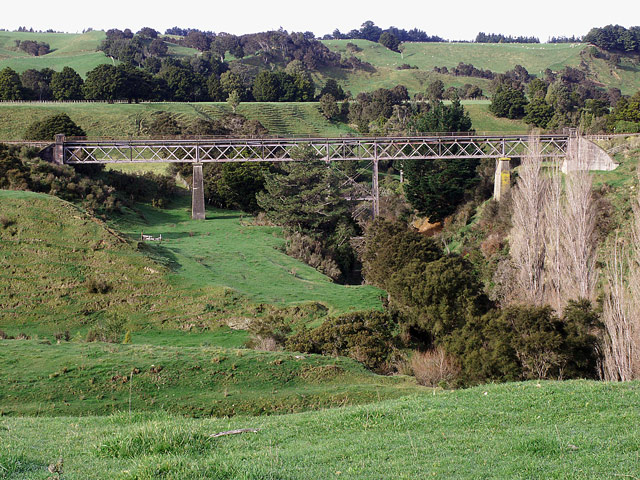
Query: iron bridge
x=203 y=150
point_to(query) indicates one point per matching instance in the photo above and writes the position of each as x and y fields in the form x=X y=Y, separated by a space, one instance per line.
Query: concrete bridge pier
x=502 y=180
x=58 y=149
x=197 y=193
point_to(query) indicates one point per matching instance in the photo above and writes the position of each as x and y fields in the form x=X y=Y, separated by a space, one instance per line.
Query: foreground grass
x=578 y=430
x=76 y=378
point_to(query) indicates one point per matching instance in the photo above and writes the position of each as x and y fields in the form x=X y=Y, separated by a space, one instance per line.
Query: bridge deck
x=75 y=151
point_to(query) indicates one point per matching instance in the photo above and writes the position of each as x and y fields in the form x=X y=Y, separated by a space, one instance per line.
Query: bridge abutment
x=197 y=193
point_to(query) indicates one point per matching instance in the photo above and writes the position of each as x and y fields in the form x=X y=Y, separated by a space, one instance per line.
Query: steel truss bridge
x=202 y=150
x=77 y=151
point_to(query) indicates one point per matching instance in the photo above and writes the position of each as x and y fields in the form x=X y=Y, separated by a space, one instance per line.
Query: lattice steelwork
x=328 y=149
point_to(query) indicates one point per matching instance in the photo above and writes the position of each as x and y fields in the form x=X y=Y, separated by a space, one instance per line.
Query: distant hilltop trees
x=499 y=38
x=370 y=31
x=615 y=38
x=34 y=48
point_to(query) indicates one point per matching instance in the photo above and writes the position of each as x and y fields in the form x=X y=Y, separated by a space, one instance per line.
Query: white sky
x=450 y=19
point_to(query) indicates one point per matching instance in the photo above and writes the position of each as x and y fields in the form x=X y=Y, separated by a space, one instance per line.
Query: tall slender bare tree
x=527 y=238
x=553 y=220
x=618 y=318
x=578 y=233
x=621 y=312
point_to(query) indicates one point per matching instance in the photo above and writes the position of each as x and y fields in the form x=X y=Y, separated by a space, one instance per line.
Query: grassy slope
x=495 y=57
x=77 y=51
x=53 y=249
x=227 y=251
x=123 y=120
x=578 y=430
x=87 y=379
x=71 y=50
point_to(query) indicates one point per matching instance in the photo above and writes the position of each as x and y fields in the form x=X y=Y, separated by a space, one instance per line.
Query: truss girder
x=328 y=149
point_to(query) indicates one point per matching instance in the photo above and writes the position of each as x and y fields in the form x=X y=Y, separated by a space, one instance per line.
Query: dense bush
x=364 y=336
x=49 y=127
x=390 y=247
x=269 y=333
x=97 y=190
x=525 y=342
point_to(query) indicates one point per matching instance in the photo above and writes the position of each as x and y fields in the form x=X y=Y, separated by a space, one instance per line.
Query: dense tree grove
x=33 y=47
x=439 y=302
x=370 y=31
x=615 y=38
x=499 y=38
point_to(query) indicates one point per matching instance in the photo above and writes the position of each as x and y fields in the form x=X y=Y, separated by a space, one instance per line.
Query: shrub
x=528 y=342
x=434 y=367
x=312 y=253
x=108 y=330
x=269 y=333
x=66 y=336
x=48 y=128
x=95 y=285
x=6 y=221
x=364 y=336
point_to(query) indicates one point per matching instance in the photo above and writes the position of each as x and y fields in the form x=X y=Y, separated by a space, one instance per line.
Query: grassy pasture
x=226 y=250
x=96 y=378
x=124 y=120
x=78 y=51
x=577 y=430
x=492 y=56
x=204 y=272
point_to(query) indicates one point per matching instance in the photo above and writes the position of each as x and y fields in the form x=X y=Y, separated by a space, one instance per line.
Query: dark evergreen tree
x=437 y=187
x=48 y=128
x=67 y=85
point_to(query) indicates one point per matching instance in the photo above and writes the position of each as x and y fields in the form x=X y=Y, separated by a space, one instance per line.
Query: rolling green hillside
x=560 y=430
x=124 y=120
x=75 y=378
x=77 y=51
x=51 y=253
x=495 y=57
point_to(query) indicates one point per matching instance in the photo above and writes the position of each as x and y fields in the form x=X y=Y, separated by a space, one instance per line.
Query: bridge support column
x=502 y=180
x=375 y=191
x=58 y=149
x=197 y=193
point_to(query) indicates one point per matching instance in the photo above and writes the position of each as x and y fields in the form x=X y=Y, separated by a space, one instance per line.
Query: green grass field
x=545 y=430
x=203 y=273
x=492 y=56
x=78 y=51
x=123 y=120
x=226 y=250
x=77 y=378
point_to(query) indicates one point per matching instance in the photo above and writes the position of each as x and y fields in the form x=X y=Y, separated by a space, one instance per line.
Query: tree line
x=559 y=99
x=615 y=38
x=194 y=80
x=500 y=38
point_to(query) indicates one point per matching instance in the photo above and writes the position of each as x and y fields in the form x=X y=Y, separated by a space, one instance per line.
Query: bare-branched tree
x=553 y=219
x=618 y=318
x=527 y=236
x=578 y=233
